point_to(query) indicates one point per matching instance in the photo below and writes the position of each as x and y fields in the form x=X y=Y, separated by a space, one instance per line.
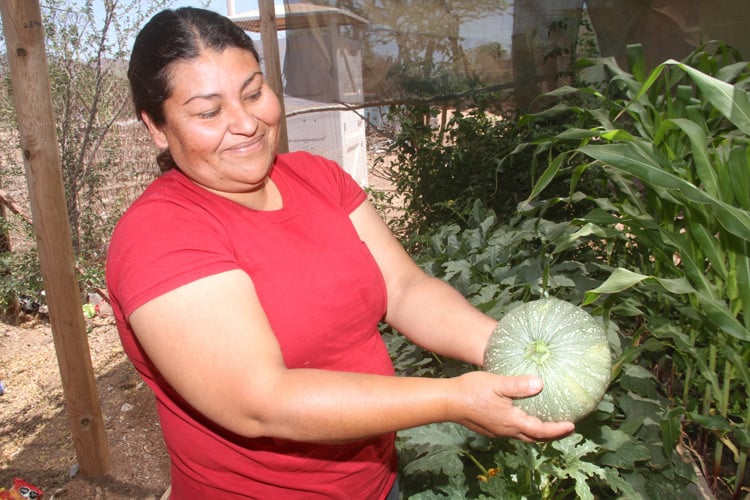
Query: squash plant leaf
x=572 y=466
x=438 y=447
x=621 y=450
x=617 y=483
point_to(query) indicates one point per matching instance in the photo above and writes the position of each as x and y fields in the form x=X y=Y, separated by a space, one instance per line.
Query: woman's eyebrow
x=245 y=84
x=251 y=79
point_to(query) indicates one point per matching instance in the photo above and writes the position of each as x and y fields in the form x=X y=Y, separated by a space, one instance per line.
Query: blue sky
x=220 y=6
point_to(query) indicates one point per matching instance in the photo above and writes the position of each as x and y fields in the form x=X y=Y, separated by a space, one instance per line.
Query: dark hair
x=170 y=36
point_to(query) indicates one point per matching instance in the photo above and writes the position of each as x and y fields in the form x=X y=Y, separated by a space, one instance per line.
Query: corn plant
x=674 y=145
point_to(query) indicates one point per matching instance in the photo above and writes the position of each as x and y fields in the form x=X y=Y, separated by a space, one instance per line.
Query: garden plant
x=629 y=196
x=640 y=212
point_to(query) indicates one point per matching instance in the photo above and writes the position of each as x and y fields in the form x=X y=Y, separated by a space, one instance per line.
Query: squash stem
x=476 y=462
x=538 y=352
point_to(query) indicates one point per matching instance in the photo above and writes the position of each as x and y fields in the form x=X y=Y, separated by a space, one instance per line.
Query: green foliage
x=675 y=147
x=645 y=221
x=620 y=449
x=440 y=169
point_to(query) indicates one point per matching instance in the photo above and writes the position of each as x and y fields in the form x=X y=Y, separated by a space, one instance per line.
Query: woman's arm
x=212 y=342
x=427 y=310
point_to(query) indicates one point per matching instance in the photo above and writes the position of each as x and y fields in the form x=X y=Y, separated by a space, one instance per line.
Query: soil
x=35 y=438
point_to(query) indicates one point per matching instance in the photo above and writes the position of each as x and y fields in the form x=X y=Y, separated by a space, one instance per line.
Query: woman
x=248 y=287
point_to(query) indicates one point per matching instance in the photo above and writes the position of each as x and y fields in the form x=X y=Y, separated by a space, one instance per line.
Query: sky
x=220 y=6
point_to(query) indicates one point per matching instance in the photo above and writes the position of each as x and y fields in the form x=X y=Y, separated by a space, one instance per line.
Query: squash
x=564 y=346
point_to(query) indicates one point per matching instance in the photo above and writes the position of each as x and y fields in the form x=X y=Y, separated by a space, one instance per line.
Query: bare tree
x=87 y=47
x=420 y=41
x=87 y=44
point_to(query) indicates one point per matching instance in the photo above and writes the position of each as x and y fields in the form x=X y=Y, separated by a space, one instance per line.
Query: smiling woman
x=223 y=129
x=248 y=287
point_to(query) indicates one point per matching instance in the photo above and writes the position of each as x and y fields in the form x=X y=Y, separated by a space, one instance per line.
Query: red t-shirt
x=323 y=294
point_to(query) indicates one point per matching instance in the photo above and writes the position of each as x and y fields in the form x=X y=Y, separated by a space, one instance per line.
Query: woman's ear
x=157 y=135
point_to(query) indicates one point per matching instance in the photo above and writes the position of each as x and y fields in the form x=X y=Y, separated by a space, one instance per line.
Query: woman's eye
x=208 y=114
x=254 y=96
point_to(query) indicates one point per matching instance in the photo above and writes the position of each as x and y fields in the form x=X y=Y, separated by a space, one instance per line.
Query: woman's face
x=221 y=121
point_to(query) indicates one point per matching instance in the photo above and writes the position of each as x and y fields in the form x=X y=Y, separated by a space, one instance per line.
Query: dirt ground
x=35 y=439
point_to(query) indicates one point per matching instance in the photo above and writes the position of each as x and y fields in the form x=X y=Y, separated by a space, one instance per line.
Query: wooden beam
x=272 y=63
x=24 y=38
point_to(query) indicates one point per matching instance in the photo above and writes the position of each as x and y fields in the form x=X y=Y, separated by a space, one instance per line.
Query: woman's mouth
x=247 y=146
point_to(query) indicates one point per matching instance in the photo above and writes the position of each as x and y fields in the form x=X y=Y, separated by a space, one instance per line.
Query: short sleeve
x=327 y=177
x=161 y=245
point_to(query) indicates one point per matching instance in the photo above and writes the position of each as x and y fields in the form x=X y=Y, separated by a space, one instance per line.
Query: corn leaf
x=633 y=160
x=701 y=158
x=711 y=248
x=621 y=279
x=723 y=318
x=547 y=176
x=738 y=166
x=731 y=101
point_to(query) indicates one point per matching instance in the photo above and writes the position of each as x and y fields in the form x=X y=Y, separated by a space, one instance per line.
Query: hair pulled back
x=170 y=36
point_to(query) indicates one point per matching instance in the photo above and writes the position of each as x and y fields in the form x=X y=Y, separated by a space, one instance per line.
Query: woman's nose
x=242 y=120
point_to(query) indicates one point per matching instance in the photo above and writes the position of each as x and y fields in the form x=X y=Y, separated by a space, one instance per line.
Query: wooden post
x=24 y=37
x=272 y=63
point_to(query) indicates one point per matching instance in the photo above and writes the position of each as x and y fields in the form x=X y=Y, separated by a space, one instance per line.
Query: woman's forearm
x=332 y=407
x=437 y=317
x=326 y=406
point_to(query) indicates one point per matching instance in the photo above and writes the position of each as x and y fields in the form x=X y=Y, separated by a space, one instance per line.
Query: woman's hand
x=485 y=405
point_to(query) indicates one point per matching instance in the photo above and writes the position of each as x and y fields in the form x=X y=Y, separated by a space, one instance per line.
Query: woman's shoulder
x=169 y=205
x=319 y=174
x=303 y=161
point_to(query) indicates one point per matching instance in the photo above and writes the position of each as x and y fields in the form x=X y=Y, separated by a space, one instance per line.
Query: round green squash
x=564 y=346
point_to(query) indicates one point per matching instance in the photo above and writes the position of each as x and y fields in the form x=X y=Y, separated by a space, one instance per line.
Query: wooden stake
x=24 y=38
x=272 y=63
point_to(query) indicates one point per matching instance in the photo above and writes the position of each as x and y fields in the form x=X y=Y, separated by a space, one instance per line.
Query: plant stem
x=742 y=462
x=723 y=408
x=476 y=462
x=712 y=368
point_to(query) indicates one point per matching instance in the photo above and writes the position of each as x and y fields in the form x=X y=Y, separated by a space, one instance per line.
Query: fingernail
x=535 y=384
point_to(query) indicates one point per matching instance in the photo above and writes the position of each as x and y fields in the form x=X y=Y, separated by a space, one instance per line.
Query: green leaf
x=739 y=364
x=738 y=167
x=710 y=246
x=636 y=60
x=742 y=272
x=438 y=448
x=671 y=429
x=618 y=483
x=547 y=176
x=743 y=437
x=623 y=450
x=573 y=447
x=701 y=157
x=632 y=158
x=713 y=422
x=731 y=101
x=622 y=279
x=723 y=318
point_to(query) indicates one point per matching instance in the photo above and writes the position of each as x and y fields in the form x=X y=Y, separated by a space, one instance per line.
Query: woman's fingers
x=490 y=410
